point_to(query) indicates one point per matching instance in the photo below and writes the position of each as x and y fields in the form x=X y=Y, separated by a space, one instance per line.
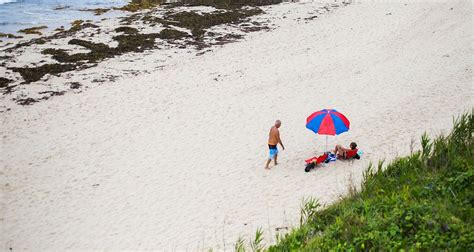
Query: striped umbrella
x=327 y=122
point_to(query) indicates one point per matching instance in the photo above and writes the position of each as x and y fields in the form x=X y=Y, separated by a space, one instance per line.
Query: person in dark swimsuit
x=343 y=152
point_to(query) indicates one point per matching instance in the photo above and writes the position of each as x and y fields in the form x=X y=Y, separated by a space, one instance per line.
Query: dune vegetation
x=420 y=202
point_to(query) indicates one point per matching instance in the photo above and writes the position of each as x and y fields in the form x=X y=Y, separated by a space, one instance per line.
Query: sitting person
x=345 y=153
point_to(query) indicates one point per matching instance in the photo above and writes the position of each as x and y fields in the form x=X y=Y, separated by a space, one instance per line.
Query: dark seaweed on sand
x=4 y=82
x=32 y=74
x=126 y=30
x=198 y=23
x=131 y=40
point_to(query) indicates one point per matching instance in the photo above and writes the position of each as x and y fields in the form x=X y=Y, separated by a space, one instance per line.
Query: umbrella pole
x=326 y=143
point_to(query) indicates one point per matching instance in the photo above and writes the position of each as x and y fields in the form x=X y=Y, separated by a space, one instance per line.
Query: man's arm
x=279 y=140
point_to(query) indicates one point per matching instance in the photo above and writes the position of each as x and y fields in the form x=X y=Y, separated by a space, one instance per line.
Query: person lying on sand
x=346 y=153
x=273 y=140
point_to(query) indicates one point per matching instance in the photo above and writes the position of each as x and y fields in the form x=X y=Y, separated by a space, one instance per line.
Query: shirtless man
x=273 y=140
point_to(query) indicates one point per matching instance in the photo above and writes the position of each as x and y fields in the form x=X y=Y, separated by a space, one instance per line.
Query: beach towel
x=331 y=158
x=312 y=162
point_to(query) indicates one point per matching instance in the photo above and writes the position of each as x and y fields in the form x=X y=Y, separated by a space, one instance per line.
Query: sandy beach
x=172 y=157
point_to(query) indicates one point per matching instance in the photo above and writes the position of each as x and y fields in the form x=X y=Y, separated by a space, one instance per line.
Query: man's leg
x=268 y=163
x=276 y=156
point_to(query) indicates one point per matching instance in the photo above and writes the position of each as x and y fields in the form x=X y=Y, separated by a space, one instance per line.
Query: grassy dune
x=420 y=202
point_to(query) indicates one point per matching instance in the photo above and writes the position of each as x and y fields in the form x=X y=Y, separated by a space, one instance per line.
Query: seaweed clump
x=4 y=82
x=32 y=74
x=198 y=23
x=78 y=25
x=29 y=100
x=61 y=33
x=75 y=85
x=134 y=42
x=26 y=101
x=126 y=30
x=172 y=34
x=225 y=4
x=136 y=5
x=9 y=35
x=58 y=54
x=98 y=51
x=228 y=38
x=97 y=11
x=33 y=30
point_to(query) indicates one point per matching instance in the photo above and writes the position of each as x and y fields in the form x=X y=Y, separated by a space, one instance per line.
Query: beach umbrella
x=327 y=122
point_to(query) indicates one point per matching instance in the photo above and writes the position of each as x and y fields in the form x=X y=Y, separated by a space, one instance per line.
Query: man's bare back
x=274 y=136
x=273 y=140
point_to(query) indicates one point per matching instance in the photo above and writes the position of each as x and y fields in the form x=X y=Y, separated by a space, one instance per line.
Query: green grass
x=420 y=202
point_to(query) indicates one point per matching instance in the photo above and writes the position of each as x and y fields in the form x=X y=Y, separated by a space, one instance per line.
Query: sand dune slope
x=174 y=159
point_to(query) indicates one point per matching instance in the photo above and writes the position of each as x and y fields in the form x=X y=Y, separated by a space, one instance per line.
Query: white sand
x=174 y=159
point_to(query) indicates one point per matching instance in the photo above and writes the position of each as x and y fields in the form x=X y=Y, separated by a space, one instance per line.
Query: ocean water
x=20 y=14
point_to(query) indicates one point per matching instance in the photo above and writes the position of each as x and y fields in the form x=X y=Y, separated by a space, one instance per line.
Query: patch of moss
x=9 y=35
x=127 y=30
x=4 y=82
x=32 y=74
x=172 y=34
x=33 y=30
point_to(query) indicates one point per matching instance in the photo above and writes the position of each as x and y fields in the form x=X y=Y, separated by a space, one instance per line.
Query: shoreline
x=62 y=56
x=53 y=14
x=173 y=158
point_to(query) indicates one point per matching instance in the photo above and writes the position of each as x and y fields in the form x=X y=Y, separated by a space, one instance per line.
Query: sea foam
x=6 y=1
